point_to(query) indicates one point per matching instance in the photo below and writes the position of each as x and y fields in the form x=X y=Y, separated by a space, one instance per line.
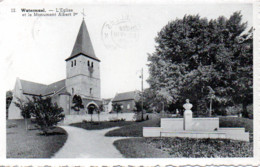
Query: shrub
x=117 y=120
x=46 y=114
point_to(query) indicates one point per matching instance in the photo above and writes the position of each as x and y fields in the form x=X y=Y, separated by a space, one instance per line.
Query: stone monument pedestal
x=187 y=115
x=187 y=120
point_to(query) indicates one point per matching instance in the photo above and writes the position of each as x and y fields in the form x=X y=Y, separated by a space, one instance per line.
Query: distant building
x=126 y=100
x=83 y=79
x=107 y=105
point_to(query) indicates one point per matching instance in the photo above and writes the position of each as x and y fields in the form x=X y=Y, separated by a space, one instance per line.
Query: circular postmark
x=120 y=33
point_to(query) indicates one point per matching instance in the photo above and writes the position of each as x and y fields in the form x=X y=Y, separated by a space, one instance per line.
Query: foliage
x=88 y=125
x=117 y=120
x=77 y=103
x=101 y=108
x=46 y=114
x=139 y=105
x=134 y=130
x=183 y=147
x=195 y=57
x=117 y=107
x=9 y=98
x=27 y=107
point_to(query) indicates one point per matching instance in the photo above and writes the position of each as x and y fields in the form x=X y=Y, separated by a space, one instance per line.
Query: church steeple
x=83 y=45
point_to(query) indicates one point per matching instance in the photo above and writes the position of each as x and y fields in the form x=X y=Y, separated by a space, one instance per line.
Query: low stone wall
x=235 y=133
x=172 y=124
x=205 y=124
x=197 y=124
x=102 y=117
x=195 y=134
x=151 y=131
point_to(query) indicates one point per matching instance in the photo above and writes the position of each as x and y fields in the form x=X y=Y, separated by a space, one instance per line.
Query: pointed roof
x=34 y=88
x=133 y=95
x=83 y=44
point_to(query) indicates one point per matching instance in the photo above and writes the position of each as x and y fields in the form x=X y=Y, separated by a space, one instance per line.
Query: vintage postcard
x=130 y=83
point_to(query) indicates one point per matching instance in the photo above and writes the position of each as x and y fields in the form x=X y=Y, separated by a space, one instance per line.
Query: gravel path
x=83 y=143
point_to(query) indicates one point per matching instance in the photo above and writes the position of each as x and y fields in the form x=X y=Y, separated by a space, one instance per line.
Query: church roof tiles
x=83 y=44
x=34 y=88
x=133 y=95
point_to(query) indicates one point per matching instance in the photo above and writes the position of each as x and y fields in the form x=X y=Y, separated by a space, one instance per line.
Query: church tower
x=83 y=71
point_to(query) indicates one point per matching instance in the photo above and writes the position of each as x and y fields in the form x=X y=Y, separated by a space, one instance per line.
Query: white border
x=152 y=161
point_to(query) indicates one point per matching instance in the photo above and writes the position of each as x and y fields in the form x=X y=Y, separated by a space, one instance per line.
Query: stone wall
x=152 y=131
x=103 y=117
x=235 y=133
x=172 y=124
x=205 y=124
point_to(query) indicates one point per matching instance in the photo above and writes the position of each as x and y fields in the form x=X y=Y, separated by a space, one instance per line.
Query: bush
x=117 y=120
x=46 y=114
x=250 y=111
x=13 y=125
x=195 y=148
x=170 y=147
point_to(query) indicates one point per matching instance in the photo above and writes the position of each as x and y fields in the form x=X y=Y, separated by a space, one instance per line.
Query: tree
x=27 y=109
x=117 y=107
x=193 y=54
x=99 y=110
x=244 y=83
x=77 y=101
x=9 y=98
x=47 y=114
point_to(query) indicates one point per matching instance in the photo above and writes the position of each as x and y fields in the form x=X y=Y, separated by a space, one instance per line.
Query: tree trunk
x=26 y=124
x=245 y=113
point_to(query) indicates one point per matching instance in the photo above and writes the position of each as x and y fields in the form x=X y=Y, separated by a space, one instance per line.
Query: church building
x=82 y=79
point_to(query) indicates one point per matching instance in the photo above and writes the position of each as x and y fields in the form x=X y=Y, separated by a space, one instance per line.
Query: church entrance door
x=91 y=109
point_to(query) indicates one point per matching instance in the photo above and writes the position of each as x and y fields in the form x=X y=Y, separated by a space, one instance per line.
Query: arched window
x=72 y=91
x=92 y=65
x=90 y=91
x=88 y=63
x=74 y=62
x=71 y=63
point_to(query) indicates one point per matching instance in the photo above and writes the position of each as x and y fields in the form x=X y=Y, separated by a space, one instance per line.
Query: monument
x=187 y=115
x=194 y=128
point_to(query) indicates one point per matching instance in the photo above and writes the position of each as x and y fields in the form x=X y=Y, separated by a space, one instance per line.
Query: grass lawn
x=31 y=144
x=101 y=125
x=134 y=130
x=182 y=147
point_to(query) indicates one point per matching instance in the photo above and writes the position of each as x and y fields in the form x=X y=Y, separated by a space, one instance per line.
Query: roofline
x=56 y=92
x=83 y=55
x=31 y=94
x=123 y=100
x=36 y=94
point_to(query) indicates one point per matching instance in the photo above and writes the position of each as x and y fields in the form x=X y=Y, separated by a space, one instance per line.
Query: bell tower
x=83 y=70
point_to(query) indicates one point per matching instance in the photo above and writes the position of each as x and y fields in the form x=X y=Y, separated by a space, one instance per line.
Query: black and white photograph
x=129 y=80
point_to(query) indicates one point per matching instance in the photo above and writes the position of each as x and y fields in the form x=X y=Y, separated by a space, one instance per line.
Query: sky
x=35 y=48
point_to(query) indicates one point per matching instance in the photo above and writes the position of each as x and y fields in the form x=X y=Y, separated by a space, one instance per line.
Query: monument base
x=201 y=128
